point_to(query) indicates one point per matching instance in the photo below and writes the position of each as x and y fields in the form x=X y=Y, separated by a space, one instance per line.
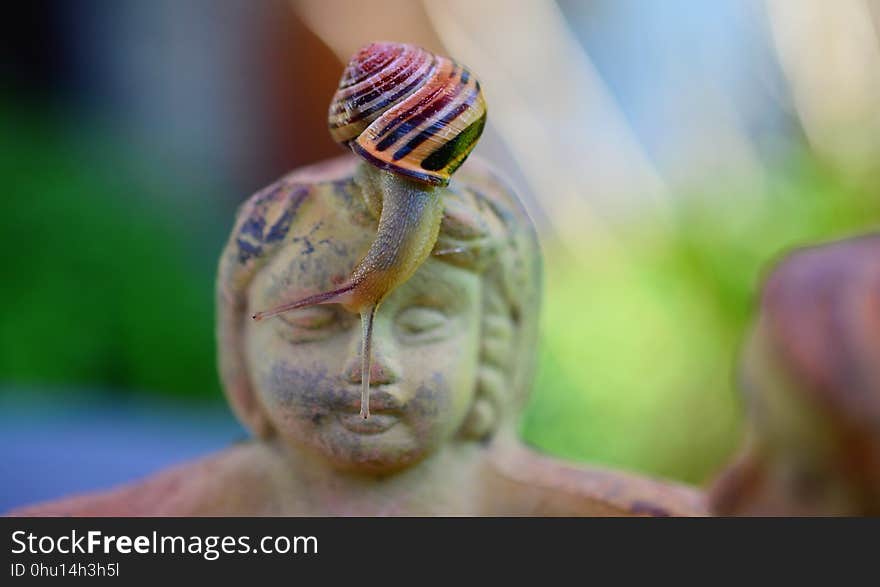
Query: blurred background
x=667 y=150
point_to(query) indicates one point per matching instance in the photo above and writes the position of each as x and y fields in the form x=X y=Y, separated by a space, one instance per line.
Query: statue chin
x=372 y=453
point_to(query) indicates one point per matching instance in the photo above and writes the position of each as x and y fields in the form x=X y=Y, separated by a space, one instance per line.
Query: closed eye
x=309 y=324
x=422 y=323
x=313 y=318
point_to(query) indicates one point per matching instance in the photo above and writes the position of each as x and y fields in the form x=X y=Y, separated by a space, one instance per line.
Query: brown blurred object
x=811 y=375
x=304 y=73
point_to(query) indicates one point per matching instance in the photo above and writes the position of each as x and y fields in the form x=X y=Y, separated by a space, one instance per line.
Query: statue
x=393 y=335
x=811 y=374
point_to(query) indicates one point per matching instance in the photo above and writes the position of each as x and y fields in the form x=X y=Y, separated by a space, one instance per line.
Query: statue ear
x=485 y=416
x=245 y=252
x=481 y=420
x=246 y=407
x=234 y=375
x=248 y=410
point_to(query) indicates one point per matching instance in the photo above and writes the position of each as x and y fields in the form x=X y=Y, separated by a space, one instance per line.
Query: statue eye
x=313 y=318
x=420 y=321
x=309 y=324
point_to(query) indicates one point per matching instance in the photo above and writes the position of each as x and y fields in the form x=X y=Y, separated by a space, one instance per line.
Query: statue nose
x=381 y=370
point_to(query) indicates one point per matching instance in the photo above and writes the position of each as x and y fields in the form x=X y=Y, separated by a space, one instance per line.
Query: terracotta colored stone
x=811 y=375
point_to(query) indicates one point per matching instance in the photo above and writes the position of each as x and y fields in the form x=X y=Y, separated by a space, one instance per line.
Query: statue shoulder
x=539 y=484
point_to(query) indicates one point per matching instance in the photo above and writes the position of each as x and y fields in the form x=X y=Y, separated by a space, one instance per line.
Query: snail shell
x=408 y=111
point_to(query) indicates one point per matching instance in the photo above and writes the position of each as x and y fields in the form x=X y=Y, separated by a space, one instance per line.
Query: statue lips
x=385 y=411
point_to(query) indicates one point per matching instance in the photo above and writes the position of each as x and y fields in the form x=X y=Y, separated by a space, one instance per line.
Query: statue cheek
x=302 y=396
x=431 y=410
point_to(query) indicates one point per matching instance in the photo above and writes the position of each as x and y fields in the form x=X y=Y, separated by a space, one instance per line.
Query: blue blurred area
x=54 y=443
x=673 y=65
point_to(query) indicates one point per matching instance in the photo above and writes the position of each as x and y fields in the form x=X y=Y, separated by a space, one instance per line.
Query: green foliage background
x=98 y=286
x=639 y=354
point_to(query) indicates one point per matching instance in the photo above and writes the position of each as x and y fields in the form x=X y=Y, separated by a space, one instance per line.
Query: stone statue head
x=811 y=375
x=453 y=348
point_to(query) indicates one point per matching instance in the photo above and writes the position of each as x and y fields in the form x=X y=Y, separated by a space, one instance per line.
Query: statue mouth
x=385 y=412
x=381 y=402
x=377 y=423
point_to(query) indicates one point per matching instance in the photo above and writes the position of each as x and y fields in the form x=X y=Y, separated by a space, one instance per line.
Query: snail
x=414 y=117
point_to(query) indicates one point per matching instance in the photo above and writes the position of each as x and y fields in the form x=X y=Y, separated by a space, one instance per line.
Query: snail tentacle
x=335 y=296
x=367 y=316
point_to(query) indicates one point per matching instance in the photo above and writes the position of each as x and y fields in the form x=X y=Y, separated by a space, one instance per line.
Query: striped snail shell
x=408 y=111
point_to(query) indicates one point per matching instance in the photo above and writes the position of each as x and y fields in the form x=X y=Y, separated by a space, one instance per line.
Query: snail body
x=414 y=117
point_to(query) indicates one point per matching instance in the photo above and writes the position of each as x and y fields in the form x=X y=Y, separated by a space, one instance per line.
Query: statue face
x=305 y=365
